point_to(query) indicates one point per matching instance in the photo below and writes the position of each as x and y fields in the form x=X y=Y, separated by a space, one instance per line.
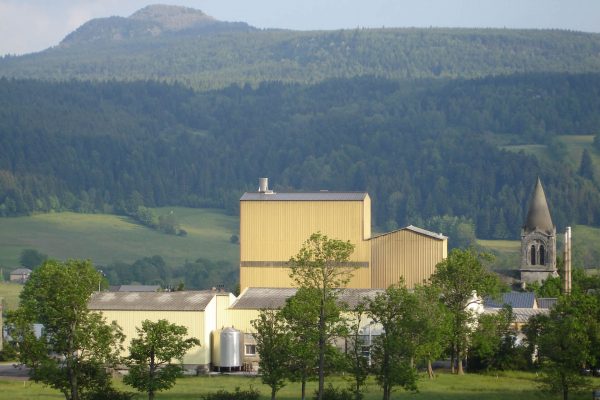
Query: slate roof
x=274 y=298
x=546 y=302
x=151 y=301
x=538 y=215
x=308 y=196
x=513 y=299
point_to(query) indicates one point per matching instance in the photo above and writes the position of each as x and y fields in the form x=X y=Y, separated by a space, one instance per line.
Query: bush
x=332 y=393
x=9 y=352
x=250 y=394
x=109 y=394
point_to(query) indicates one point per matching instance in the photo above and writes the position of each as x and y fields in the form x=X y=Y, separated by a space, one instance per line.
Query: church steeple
x=538 y=216
x=538 y=239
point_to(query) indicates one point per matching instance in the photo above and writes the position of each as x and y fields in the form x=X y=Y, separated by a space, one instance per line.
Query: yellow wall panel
x=274 y=231
x=192 y=320
x=279 y=277
x=241 y=319
x=404 y=254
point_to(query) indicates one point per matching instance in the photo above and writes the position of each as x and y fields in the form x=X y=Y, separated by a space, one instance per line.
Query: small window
x=542 y=255
x=532 y=255
x=250 y=349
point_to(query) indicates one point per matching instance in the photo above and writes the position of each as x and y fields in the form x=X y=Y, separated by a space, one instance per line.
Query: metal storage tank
x=228 y=347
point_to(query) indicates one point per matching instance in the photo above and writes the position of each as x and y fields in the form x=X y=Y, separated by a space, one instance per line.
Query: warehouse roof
x=308 y=196
x=135 y=288
x=274 y=298
x=151 y=301
x=513 y=299
x=415 y=229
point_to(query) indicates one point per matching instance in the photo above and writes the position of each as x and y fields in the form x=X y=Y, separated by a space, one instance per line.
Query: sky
x=28 y=26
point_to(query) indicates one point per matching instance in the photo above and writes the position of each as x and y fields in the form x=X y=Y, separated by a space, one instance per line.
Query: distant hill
x=149 y=22
x=181 y=44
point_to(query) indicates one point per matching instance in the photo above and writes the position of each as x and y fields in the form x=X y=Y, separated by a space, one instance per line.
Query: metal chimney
x=263 y=185
x=567 y=277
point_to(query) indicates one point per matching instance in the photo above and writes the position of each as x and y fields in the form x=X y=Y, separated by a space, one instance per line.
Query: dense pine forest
x=172 y=107
x=422 y=148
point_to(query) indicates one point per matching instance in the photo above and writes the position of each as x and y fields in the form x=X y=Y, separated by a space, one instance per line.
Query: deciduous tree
x=273 y=344
x=76 y=344
x=463 y=281
x=322 y=266
x=393 y=351
x=151 y=356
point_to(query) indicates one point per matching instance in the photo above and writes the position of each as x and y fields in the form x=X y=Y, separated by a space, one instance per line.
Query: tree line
x=422 y=149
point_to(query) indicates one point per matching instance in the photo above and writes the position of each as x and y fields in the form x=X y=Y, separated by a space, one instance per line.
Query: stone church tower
x=538 y=240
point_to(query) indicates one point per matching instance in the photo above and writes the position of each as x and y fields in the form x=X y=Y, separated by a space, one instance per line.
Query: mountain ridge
x=150 y=21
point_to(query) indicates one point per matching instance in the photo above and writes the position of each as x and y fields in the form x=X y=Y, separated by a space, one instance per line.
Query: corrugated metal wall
x=273 y=231
x=240 y=319
x=404 y=254
x=279 y=277
x=192 y=320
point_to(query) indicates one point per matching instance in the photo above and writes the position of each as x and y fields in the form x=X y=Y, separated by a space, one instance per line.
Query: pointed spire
x=538 y=216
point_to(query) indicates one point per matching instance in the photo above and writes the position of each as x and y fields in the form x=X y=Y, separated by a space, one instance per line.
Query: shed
x=196 y=310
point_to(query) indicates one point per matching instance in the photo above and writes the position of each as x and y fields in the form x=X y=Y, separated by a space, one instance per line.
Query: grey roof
x=522 y=315
x=309 y=196
x=151 y=301
x=20 y=271
x=546 y=302
x=274 y=298
x=135 y=288
x=415 y=229
x=538 y=215
x=513 y=299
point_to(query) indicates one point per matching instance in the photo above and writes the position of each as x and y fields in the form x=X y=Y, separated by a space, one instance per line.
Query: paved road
x=8 y=371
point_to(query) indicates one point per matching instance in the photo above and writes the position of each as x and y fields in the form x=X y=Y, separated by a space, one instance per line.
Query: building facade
x=273 y=227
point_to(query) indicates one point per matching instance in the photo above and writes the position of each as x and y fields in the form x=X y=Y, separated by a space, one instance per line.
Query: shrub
x=238 y=394
x=332 y=393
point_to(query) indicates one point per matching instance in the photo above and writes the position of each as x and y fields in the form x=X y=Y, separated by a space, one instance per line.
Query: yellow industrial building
x=273 y=227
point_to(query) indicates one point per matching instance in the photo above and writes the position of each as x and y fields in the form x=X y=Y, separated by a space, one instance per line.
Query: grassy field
x=107 y=238
x=573 y=144
x=515 y=385
x=538 y=150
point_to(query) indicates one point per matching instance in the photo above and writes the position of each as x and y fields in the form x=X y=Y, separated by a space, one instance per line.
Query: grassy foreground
x=510 y=385
x=106 y=238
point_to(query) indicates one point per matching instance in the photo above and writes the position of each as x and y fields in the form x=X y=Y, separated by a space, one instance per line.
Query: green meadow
x=107 y=238
x=505 y=385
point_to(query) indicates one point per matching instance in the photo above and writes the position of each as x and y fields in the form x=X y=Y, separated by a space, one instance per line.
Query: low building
x=201 y=312
x=20 y=275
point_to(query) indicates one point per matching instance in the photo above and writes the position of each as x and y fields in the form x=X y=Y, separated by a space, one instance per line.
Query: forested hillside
x=217 y=54
x=422 y=148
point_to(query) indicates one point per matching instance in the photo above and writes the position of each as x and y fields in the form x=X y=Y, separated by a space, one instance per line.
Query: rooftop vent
x=263 y=186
